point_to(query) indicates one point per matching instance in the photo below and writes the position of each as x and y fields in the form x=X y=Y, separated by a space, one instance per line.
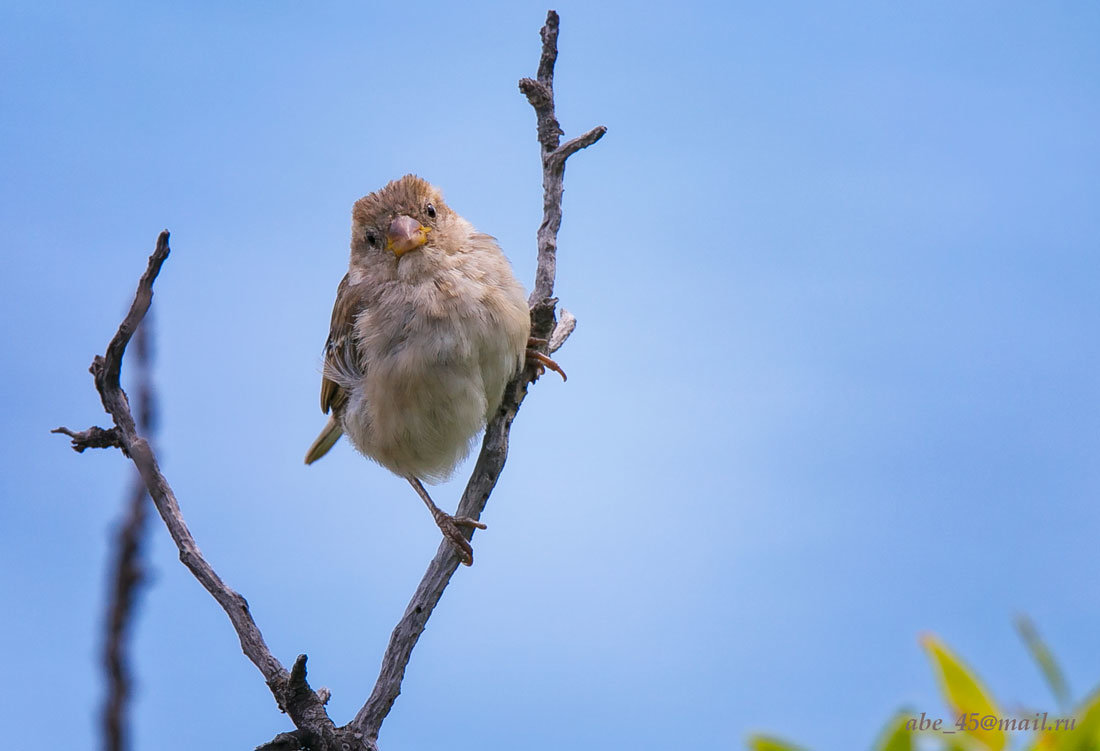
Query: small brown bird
x=428 y=327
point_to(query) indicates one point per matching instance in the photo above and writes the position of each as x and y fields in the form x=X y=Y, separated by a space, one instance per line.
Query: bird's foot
x=540 y=360
x=450 y=527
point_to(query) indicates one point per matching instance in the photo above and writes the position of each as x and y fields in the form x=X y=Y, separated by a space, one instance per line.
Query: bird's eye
x=372 y=238
x=431 y=211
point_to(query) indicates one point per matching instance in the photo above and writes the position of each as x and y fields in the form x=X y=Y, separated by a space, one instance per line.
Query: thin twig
x=94 y=437
x=566 y=323
x=127 y=571
x=494 y=449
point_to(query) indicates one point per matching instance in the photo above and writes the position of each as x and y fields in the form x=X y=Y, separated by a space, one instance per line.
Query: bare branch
x=295 y=698
x=127 y=572
x=283 y=742
x=127 y=576
x=540 y=93
x=106 y=369
x=494 y=448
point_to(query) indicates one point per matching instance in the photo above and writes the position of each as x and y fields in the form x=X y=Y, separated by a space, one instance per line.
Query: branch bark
x=315 y=730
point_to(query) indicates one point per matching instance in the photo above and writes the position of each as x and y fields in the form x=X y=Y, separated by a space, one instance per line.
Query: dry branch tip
x=94 y=437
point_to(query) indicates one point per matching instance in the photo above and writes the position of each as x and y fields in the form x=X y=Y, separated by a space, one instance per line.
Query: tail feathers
x=330 y=434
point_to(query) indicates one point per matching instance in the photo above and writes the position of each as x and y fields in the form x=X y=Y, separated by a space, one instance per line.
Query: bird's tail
x=330 y=434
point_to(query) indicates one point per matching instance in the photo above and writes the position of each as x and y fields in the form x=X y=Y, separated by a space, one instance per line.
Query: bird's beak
x=405 y=234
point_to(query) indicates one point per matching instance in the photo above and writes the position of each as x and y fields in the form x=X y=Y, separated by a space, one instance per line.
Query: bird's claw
x=465 y=521
x=449 y=526
x=541 y=362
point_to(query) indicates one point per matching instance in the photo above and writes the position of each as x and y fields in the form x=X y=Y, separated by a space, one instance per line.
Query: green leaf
x=895 y=737
x=1045 y=659
x=1046 y=741
x=1085 y=735
x=964 y=693
x=767 y=743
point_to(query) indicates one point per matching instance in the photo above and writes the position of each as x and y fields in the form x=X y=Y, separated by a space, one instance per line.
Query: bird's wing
x=343 y=366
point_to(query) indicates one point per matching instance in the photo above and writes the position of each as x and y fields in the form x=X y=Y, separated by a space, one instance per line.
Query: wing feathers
x=342 y=367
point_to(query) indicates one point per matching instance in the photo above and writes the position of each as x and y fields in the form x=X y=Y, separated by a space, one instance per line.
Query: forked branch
x=306 y=707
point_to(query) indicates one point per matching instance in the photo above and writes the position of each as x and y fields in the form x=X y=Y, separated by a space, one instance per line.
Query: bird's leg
x=542 y=361
x=449 y=525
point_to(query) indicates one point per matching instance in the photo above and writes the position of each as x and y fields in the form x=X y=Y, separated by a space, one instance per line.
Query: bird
x=428 y=327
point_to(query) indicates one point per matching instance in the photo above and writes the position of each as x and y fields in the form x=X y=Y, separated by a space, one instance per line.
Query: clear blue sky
x=834 y=383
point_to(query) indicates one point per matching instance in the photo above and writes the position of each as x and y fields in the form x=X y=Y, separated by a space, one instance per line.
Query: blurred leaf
x=1085 y=735
x=1045 y=658
x=766 y=743
x=895 y=737
x=964 y=694
x=1047 y=741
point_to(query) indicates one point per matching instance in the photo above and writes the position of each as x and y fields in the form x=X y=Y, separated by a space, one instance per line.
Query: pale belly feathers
x=431 y=383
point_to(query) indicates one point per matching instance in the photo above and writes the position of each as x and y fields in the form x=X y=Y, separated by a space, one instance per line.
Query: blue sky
x=833 y=384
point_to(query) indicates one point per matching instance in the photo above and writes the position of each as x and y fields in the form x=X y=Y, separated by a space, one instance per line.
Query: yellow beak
x=405 y=234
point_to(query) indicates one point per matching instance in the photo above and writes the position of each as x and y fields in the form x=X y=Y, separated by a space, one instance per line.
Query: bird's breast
x=435 y=367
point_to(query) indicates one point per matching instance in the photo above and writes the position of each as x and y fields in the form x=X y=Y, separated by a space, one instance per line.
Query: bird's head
x=407 y=224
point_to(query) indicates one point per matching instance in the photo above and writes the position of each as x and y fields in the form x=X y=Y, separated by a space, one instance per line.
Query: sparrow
x=428 y=327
